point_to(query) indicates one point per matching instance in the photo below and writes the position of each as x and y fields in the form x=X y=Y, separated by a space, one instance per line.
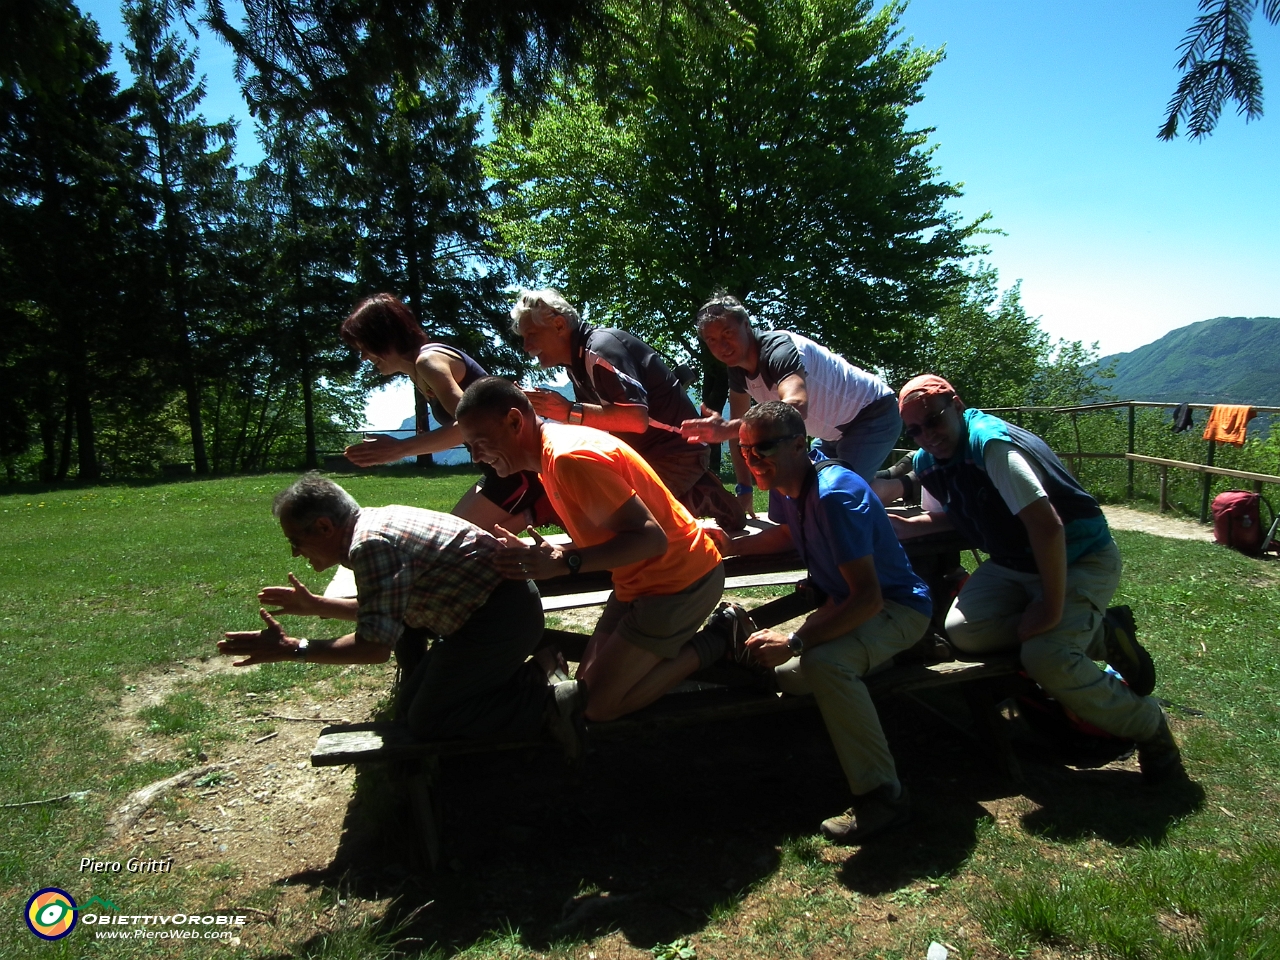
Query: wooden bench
x=725 y=692
x=984 y=683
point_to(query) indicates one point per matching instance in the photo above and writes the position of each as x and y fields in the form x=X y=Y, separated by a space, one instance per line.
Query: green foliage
x=1217 y=65
x=680 y=949
x=777 y=164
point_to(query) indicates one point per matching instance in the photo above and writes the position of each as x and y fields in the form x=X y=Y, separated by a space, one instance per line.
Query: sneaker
x=871 y=813
x=564 y=720
x=1125 y=654
x=736 y=625
x=1159 y=758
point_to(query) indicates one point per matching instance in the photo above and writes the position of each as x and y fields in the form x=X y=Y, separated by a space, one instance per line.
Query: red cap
x=925 y=385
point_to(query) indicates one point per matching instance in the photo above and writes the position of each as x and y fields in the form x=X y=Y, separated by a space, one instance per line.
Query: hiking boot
x=563 y=720
x=871 y=813
x=735 y=624
x=1125 y=654
x=1159 y=758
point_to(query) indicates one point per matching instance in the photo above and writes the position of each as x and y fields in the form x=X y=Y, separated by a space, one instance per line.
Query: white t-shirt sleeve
x=1017 y=478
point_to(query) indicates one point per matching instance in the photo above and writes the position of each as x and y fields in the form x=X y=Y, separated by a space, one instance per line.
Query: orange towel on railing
x=1227 y=423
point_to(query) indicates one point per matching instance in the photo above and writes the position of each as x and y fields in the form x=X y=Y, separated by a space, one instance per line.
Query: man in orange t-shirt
x=667 y=574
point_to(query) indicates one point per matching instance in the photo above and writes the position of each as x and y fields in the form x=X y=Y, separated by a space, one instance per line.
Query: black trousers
x=474 y=684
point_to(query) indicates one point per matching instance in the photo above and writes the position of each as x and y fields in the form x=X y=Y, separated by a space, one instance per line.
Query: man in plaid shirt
x=420 y=575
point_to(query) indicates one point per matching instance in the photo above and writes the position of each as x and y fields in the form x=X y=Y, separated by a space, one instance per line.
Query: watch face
x=574 y=560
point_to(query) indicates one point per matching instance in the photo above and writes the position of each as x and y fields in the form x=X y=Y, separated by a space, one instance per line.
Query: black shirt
x=612 y=366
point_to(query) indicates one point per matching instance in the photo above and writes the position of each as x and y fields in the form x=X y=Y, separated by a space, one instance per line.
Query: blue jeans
x=866 y=442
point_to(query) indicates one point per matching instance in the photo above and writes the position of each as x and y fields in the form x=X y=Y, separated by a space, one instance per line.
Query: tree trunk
x=64 y=454
x=87 y=467
x=309 y=413
x=49 y=443
x=414 y=268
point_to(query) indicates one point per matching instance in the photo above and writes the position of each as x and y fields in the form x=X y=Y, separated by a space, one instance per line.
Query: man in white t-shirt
x=1053 y=567
x=850 y=410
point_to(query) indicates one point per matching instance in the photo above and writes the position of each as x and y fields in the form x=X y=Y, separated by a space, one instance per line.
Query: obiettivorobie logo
x=51 y=912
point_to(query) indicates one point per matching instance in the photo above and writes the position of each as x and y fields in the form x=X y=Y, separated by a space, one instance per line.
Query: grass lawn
x=702 y=844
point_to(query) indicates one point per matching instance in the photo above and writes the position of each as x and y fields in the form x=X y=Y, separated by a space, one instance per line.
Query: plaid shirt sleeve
x=384 y=583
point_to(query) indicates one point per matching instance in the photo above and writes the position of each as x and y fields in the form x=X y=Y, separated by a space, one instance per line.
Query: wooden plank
x=1204 y=468
x=691 y=704
x=595 y=598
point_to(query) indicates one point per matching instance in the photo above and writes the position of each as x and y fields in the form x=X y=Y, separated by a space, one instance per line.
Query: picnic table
x=724 y=692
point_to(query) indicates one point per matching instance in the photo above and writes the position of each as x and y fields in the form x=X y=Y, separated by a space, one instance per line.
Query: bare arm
x=610 y=417
x=920 y=524
x=831 y=620
x=272 y=645
x=298 y=601
x=773 y=540
x=1049 y=547
x=713 y=428
x=637 y=536
x=435 y=370
x=793 y=389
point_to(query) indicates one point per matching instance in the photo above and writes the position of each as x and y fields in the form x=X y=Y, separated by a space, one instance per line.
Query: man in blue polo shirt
x=876 y=604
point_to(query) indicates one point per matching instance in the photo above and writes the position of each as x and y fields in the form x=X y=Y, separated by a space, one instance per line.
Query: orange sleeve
x=594 y=485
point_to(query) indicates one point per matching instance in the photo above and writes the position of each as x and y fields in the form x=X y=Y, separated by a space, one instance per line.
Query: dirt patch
x=1156 y=524
x=266 y=814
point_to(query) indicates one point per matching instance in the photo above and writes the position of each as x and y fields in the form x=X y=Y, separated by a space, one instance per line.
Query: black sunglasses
x=766 y=448
x=929 y=423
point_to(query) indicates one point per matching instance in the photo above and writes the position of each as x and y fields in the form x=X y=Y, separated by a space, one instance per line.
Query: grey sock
x=710 y=646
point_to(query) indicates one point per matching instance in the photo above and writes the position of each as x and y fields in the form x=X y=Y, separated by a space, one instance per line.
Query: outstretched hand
x=267 y=645
x=376 y=449
x=709 y=428
x=295 y=601
x=550 y=404
x=518 y=560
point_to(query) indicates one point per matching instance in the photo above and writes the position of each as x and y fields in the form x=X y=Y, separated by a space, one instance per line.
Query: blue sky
x=1046 y=112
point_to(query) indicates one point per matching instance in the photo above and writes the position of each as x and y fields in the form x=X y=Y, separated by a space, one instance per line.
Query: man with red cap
x=1053 y=567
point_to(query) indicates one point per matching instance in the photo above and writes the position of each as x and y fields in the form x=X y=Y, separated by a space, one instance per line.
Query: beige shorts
x=664 y=624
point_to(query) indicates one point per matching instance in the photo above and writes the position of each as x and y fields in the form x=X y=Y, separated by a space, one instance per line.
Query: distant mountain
x=1224 y=360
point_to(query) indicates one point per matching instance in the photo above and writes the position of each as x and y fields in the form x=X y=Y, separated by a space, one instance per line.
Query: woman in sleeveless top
x=386 y=333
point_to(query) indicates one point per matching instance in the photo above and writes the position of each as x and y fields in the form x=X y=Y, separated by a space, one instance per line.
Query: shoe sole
x=1136 y=665
x=570 y=729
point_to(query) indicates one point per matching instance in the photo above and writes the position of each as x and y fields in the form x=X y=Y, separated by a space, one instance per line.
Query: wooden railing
x=1207 y=469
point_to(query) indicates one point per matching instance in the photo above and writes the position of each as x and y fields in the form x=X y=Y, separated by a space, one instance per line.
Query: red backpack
x=1237 y=521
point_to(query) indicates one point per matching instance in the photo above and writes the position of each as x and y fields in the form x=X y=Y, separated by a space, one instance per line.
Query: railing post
x=1164 y=486
x=1208 y=481
x=1131 y=450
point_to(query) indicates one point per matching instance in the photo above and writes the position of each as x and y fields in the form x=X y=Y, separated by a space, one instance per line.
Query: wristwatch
x=300 y=651
x=742 y=488
x=576 y=414
x=795 y=644
x=574 y=559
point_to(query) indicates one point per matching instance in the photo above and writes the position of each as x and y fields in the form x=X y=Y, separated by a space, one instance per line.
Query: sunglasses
x=766 y=448
x=928 y=423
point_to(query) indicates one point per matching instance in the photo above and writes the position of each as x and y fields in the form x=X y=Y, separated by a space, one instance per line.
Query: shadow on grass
x=652 y=838
x=1111 y=805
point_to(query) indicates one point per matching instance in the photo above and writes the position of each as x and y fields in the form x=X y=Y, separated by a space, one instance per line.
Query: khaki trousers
x=984 y=619
x=833 y=673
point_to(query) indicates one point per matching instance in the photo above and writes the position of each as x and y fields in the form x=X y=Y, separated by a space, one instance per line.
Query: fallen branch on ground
x=133 y=808
x=77 y=795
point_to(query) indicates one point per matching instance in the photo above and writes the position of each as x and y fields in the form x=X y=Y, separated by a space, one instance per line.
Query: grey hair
x=722 y=304
x=311 y=497
x=775 y=413
x=540 y=306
